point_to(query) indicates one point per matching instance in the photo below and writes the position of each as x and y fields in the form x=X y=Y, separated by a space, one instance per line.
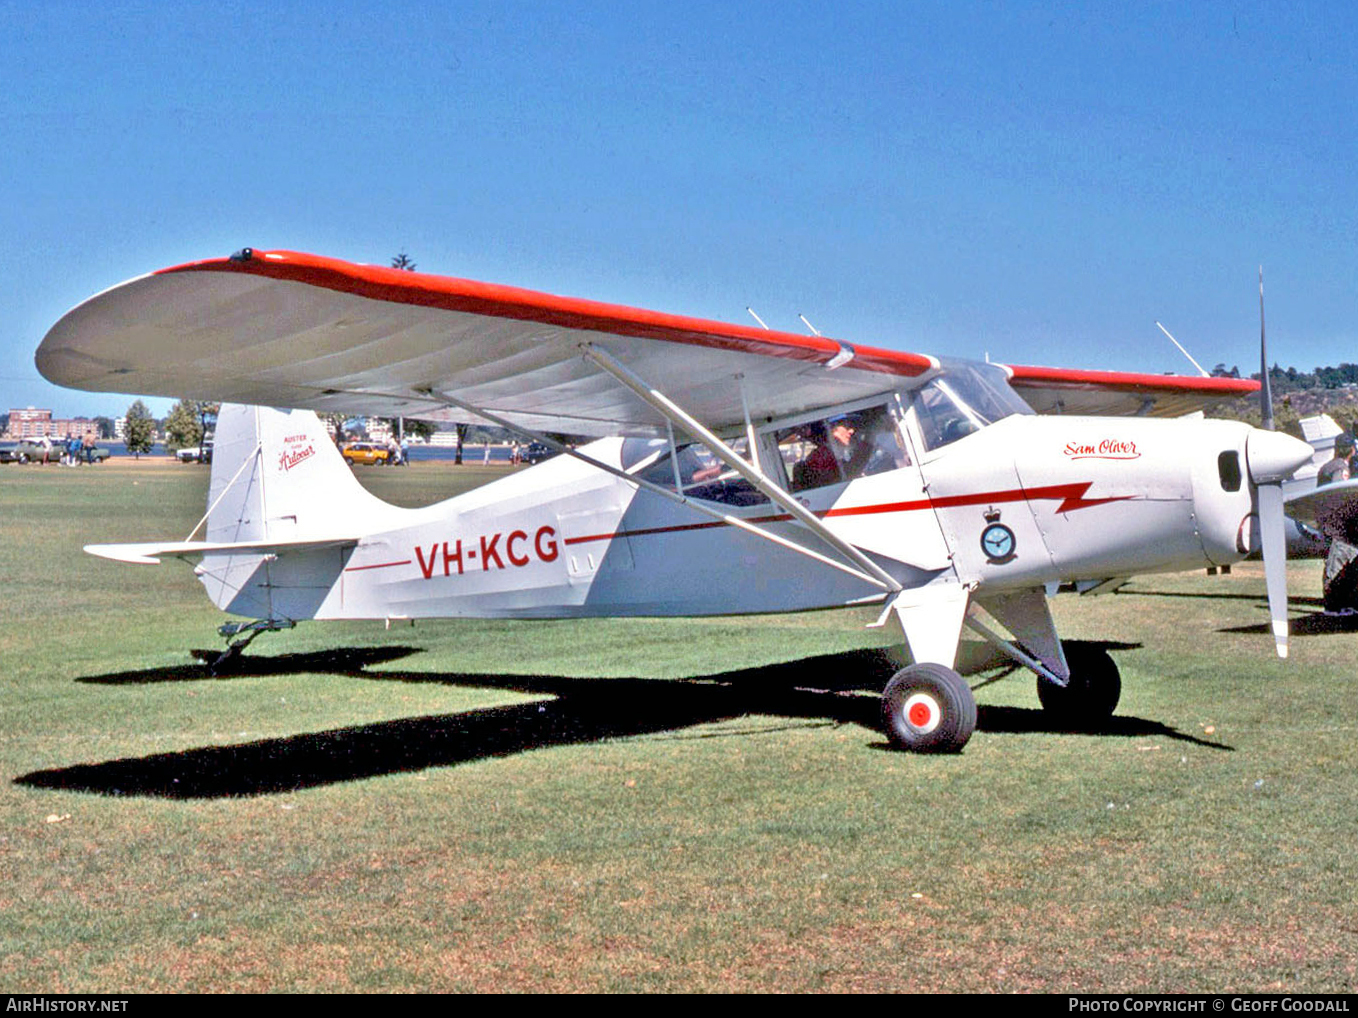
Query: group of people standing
x=78 y=450
x=398 y=455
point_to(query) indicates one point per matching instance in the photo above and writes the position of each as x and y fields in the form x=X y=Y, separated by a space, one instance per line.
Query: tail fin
x=277 y=476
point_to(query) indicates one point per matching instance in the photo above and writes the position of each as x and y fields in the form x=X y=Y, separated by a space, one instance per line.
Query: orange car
x=365 y=452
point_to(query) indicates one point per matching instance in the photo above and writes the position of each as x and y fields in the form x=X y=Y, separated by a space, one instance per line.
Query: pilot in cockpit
x=839 y=454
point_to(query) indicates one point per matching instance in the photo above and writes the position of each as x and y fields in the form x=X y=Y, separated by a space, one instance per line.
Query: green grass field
x=645 y=804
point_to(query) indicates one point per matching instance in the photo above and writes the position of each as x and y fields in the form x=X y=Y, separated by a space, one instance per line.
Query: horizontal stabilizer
x=149 y=554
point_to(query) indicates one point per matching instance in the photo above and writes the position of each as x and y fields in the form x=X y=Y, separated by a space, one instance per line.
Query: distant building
x=31 y=422
x=78 y=426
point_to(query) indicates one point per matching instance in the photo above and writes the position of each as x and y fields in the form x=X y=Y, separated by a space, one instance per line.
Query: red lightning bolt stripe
x=1071 y=495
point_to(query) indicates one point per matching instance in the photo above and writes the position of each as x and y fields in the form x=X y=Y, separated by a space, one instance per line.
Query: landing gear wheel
x=1088 y=700
x=928 y=708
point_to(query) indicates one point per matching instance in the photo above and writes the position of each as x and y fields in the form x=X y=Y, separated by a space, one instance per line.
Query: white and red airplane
x=747 y=471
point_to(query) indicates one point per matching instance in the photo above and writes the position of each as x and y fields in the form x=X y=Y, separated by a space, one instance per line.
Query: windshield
x=962 y=401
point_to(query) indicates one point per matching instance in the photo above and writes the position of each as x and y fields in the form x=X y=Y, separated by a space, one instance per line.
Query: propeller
x=1265 y=386
x=1271 y=459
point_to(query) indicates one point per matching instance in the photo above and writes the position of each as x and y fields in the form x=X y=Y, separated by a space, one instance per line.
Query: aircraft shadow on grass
x=1314 y=623
x=350 y=661
x=1293 y=600
x=819 y=689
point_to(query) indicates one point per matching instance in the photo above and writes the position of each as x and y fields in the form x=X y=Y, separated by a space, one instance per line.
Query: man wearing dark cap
x=1337 y=469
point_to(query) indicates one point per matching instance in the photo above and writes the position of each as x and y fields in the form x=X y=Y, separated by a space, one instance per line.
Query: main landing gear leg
x=235 y=648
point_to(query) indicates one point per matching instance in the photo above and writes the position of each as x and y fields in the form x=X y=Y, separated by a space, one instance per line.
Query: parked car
x=536 y=452
x=8 y=455
x=365 y=452
x=190 y=454
x=44 y=450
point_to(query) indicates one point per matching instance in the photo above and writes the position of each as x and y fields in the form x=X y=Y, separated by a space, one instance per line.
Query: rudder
x=277 y=476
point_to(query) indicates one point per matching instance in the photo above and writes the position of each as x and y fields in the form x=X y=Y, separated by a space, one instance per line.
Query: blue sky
x=1040 y=182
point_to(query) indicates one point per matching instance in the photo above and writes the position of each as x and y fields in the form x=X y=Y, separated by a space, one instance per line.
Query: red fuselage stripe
x=1071 y=496
x=377 y=565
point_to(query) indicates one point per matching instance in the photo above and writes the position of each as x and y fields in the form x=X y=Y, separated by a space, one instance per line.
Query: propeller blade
x=1272 y=457
x=1265 y=387
x=1274 y=545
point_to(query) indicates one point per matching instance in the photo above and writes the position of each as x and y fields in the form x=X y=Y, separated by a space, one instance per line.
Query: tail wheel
x=1091 y=695
x=928 y=708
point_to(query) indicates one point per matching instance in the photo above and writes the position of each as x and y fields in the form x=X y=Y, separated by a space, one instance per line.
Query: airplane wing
x=279 y=328
x=1122 y=394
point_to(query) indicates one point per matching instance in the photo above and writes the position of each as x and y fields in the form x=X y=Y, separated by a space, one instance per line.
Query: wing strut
x=673 y=412
x=244 y=463
x=674 y=496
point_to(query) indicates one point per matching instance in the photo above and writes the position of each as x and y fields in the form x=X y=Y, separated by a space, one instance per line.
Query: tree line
x=1290 y=379
x=190 y=420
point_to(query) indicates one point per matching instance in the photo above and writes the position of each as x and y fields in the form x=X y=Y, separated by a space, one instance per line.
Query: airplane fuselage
x=1024 y=502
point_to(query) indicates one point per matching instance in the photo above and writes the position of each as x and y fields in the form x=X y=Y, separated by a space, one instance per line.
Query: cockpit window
x=699 y=473
x=841 y=448
x=814 y=454
x=639 y=450
x=963 y=401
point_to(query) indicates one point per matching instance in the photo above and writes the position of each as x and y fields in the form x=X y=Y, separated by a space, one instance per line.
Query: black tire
x=1088 y=700
x=348 y=461
x=928 y=708
x=23 y=457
